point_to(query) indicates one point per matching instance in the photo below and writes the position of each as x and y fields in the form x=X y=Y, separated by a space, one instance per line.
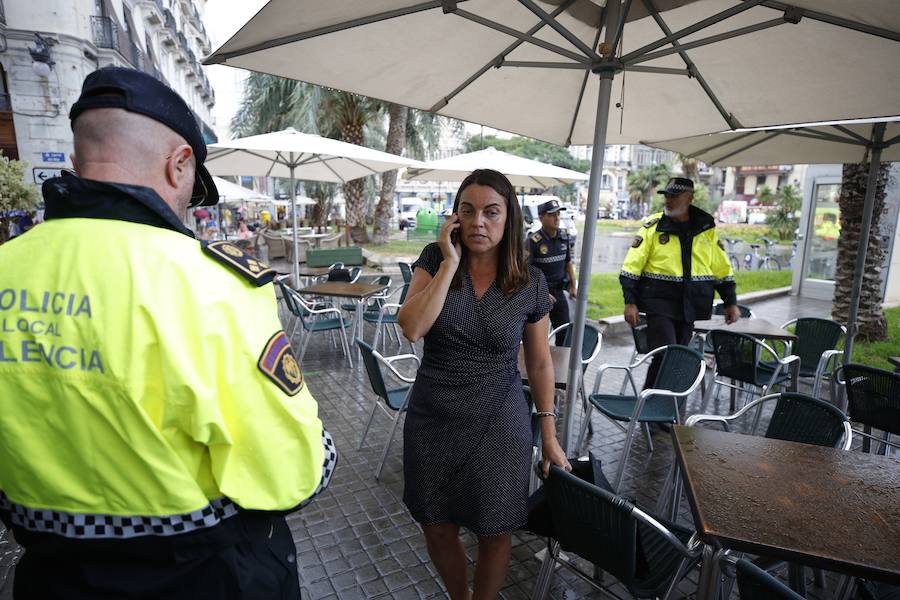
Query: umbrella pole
x=611 y=15
x=868 y=206
x=295 y=267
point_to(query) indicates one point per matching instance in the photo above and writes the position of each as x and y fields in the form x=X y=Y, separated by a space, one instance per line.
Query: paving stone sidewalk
x=358 y=540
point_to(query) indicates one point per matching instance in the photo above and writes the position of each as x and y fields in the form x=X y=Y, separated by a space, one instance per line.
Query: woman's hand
x=451 y=251
x=553 y=455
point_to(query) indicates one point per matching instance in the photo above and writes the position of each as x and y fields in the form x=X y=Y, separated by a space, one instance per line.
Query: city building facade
x=48 y=47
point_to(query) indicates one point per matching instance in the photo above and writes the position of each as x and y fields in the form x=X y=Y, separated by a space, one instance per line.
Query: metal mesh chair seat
x=755 y=584
x=646 y=555
x=657 y=409
x=806 y=420
x=765 y=369
x=814 y=338
x=873 y=401
x=719 y=310
x=326 y=324
x=396 y=397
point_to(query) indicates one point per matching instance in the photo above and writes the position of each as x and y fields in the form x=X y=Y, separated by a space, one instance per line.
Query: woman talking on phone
x=467 y=437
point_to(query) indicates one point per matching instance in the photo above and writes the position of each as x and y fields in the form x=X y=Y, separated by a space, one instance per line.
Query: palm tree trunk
x=395 y=140
x=872 y=324
x=354 y=190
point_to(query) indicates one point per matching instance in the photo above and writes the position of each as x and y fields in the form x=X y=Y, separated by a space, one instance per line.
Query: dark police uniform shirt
x=550 y=255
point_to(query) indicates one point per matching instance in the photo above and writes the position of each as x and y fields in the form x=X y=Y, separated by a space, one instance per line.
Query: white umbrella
x=873 y=140
x=522 y=172
x=295 y=155
x=678 y=67
x=232 y=192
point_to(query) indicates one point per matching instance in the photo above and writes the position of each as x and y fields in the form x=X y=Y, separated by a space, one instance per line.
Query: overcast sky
x=223 y=18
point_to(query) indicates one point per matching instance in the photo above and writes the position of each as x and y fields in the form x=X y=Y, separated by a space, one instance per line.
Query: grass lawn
x=875 y=354
x=748 y=233
x=399 y=248
x=605 y=294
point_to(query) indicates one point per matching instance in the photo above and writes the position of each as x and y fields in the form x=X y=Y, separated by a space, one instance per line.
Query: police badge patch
x=664 y=238
x=278 y=363
x=543 y=249
x=637 y=241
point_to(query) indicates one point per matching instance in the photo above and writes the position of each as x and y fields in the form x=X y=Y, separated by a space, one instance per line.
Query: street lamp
x=41 y=62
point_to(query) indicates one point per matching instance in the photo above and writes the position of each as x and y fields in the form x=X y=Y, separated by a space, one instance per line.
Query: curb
x=618 y=326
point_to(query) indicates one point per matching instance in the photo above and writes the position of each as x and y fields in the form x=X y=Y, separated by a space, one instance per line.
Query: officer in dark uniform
x=548 y=250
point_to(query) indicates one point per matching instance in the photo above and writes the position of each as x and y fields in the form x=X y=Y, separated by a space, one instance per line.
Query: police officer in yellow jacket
x=155 y=426
x=675 y=264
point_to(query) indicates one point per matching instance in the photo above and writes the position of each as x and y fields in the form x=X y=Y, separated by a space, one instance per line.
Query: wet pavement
x=358 y=540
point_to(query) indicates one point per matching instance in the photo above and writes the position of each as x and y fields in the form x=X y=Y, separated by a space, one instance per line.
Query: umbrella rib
x=327 y=166
x=584 y=81
x=621 y=26
x=494 y=61
x=544 y=65
x=709 y=40
x=892 y=141
x=558 y=28
x=364 y=166
x=825 y=137
x=657 y=70
x=727 y=116
x=702 y=151
x=522 y=36
x=709 y=21
x=838 y=21
x=765 y=138
x=298 y=37
x=852 y=134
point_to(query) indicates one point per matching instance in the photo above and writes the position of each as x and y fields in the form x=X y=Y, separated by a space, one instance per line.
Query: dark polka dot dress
x=467 y=436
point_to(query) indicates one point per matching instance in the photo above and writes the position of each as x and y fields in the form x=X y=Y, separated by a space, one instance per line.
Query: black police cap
x=677 y=185
x=139 y=92
x=550 y=206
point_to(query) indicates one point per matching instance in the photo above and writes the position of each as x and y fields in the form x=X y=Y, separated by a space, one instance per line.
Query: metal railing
x=105 y=32
x=2 y=14
x=169 y=19
x=135 y=56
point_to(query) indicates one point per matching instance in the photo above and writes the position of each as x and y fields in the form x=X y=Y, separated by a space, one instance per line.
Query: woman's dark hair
x=512 y=269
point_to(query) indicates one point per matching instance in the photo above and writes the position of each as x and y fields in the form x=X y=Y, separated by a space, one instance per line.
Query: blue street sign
x=49 y=157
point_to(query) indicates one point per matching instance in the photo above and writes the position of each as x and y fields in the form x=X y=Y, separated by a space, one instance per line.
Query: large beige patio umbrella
x=295 y=155
x=665 y=68
x=875 y=141
x=521 y=172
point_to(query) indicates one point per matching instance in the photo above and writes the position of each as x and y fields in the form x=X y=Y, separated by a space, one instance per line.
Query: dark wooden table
x=823 y=507
x=343 y=289
x=758 y=328
x=560 y=356
x=895 y=360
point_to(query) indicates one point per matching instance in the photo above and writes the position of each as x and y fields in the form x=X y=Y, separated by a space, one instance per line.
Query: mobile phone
x=454 y=235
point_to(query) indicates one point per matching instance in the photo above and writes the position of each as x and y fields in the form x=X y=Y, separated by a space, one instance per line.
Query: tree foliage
x=785 y=218
x=15 y=194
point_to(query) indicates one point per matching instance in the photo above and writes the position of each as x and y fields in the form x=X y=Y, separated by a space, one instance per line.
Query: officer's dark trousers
x=559 y=314
x=663 y=331
x=261 y=563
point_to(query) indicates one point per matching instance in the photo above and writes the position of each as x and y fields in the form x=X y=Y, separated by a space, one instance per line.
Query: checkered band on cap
x=96 y=526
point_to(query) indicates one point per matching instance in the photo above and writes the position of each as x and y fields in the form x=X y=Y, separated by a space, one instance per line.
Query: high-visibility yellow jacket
x=145 y=386
x=674 y=269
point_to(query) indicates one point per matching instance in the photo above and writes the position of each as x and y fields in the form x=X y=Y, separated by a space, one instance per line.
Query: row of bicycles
x=752 y=260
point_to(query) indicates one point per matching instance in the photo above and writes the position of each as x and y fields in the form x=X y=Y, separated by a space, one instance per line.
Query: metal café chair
x=755 y=583
x=395 y=400
x=405 y=272
x=591 y=342
x=680 y=374
x=816 y=345
x=386 y=315
x=737 y=357
x=873 y=401
x=641 y=345
x=647 y=556
x=312 y=318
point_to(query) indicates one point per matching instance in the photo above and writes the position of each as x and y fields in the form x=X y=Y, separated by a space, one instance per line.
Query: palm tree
x=690 y=167
x=872 y=323
x=642 y=183
x=783 y=221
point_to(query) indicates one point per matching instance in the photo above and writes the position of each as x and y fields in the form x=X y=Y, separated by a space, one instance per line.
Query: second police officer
x=549 y=249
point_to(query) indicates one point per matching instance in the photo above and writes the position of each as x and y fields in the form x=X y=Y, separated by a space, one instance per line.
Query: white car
x=408 y=209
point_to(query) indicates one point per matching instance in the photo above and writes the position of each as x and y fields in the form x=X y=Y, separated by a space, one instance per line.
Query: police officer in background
x=155 y=424
x=674 y=266
x=549 y=250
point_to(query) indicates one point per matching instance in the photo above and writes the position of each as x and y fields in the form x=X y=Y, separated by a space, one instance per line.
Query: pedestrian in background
x=674 y=266
x=467 y=436
x=156 y=425
x=549 y=249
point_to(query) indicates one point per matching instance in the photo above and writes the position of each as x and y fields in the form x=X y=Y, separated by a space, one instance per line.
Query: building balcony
x=154 y=14
x=104 y=32
x=169 y=20
x=135 y=56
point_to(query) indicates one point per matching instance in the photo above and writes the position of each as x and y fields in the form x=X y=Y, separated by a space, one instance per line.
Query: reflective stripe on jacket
x=674 y=269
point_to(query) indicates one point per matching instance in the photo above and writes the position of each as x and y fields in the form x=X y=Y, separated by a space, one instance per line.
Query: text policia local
x=32 y=329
